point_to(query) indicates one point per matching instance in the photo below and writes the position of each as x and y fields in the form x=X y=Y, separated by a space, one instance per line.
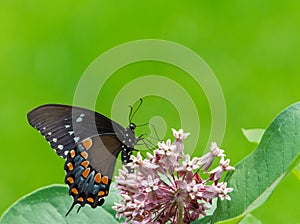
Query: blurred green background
x=253 y=48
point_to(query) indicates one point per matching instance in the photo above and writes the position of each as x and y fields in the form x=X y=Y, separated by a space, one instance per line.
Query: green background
x=253 y=48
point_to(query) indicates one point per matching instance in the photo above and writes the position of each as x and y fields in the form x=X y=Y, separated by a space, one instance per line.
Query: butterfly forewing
x=64 y=126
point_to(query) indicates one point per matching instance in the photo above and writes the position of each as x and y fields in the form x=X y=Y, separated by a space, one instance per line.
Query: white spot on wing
x=71 y=132
x=44 y=128
x=66 y=153
x=82 y=115
x=60 y=147
x=76 y=139
x=54 y=139
x=79 y=119
x=49 y=133
x=67 y=126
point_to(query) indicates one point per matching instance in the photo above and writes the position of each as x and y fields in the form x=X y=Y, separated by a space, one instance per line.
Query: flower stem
x=180 y=211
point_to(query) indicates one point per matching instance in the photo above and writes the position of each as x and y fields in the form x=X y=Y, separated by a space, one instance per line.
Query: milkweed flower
x=167 y=186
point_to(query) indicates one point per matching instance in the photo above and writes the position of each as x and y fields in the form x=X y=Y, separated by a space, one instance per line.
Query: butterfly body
x=90 y=144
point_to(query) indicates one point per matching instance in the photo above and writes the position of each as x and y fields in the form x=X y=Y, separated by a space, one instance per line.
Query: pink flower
x=223 y=191
x=206 y=160
x=179 y=136
x=150 y=184
x=166 y=148
x=167 y=186
x=189 y=165
x=216 y=173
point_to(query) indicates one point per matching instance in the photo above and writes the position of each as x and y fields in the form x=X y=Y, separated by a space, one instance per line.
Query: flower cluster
x=167 y=186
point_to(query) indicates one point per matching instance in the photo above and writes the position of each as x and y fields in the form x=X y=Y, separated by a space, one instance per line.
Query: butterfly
x=90 y=143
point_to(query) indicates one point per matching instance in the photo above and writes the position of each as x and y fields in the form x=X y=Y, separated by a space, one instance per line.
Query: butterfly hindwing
x=89 y=169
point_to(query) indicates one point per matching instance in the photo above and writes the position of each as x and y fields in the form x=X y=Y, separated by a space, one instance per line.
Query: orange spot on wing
x=87 y=144
x=97 y=178
x=85 y=164
x=72 y=153
x=86 y=172
x=101 y=193
x=70 y=180
x=84 y=155
x=105 y=180
x=70 y=166
x=80 y=199
x=91 y=200
x=74 y=191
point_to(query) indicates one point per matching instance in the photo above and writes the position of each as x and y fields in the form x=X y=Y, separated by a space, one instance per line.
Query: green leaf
x=204 y=220
x=250 y=219
x=50 y=204
x=253 y=135
x=296 y=171
x=256 y=176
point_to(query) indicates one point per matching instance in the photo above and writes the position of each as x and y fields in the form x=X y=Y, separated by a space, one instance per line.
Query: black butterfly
x=90 y=144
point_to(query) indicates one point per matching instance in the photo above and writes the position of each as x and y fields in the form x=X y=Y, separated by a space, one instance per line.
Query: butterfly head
x=132 y=126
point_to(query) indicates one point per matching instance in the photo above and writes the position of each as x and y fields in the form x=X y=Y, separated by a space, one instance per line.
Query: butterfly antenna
x=72 y=206
x=132 y=114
